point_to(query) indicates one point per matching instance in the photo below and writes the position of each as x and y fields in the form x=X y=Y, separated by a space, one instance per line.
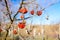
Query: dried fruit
x=39 y=13
x=21 y=25
x=23 y=10
x=14 y=31
x=21 y=16
x=32 y=12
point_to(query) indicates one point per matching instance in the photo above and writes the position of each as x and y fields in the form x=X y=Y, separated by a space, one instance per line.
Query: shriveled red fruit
x=0 y=30
x=39 y=13
x=15 y=31
x=23 y=10
x=21 y=25
x=21 y=16
x=32 y=12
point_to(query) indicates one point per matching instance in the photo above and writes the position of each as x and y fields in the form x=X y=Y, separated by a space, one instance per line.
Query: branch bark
x=21 y=19
x=8 y=11
x=18 y=9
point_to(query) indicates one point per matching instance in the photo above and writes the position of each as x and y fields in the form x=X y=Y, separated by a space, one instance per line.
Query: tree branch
x=8 y=11
x=18 y=9
x=21 y=19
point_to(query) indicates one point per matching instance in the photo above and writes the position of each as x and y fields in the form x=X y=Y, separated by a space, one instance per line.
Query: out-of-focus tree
x=25 y=6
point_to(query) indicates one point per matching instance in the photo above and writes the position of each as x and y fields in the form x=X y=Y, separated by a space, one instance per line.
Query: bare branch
x=8 y=11
x=18 y=9
x=21 y=19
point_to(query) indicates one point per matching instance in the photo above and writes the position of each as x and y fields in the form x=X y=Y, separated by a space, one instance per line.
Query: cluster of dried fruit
x=24 y=10
x=38 y=12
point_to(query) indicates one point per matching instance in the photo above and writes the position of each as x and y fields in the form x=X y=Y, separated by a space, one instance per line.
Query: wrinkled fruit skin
x=21 y=25
x=32 y=12
x=14 y=32
x=39 y=13
x=23 y=10
x=0 y=30
x=21 y=16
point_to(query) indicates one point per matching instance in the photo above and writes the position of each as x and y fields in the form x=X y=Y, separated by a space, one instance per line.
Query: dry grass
x=50 y=32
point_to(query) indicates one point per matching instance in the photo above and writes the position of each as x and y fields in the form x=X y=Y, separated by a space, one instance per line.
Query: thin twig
x=19 y=8
x=8 y=11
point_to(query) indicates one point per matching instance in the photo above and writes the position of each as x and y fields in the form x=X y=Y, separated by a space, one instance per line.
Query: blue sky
x=53 y=12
